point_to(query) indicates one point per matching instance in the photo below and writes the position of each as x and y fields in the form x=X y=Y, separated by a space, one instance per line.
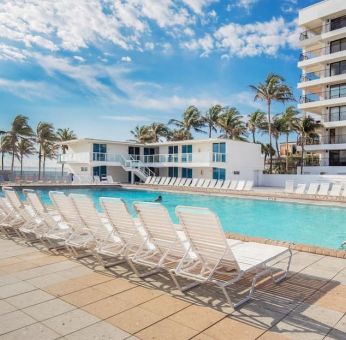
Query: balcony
x=324 y=162
x=336 y=139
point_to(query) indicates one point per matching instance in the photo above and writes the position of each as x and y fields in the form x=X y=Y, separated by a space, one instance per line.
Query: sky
x=100 y=67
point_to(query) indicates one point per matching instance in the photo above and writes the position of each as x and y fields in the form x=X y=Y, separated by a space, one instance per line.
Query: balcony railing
x=219 y=157
x=324 y=95
x=335 y=117
x=337 y=139
x=330 y=26
x=325 y=162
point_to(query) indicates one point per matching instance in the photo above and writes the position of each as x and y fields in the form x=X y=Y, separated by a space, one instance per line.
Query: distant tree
x=157 y=130
x=277 y=128
x=177 y=135
x=25 y=148
x=256 y=121
x=49 y=151
x=231 y=124
x=192 y=120
x=141 y=133
x=5 y=148
x=211 y=118
x=272 y=90
x=267 y=150
x=65 y=135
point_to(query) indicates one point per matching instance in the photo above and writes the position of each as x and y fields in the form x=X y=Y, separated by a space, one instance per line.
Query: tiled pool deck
x=45 y=296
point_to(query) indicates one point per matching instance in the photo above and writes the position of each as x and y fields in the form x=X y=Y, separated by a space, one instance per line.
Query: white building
x=128 y=162
x=323 y=81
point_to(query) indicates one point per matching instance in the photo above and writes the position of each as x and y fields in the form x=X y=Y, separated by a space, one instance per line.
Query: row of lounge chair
x=196 y=249
x=88 y=179
x=200 y=183
x=317 y=189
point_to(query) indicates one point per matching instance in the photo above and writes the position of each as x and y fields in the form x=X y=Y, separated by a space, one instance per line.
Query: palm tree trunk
x=2 y=160
x=270 y=139
x=278 y=152
x=39 y=162
x=286 y=153
x=21 y=167
x=253 y=137
x=209 y=131
x=44 y=166
x=13 y=154
x=302 y=158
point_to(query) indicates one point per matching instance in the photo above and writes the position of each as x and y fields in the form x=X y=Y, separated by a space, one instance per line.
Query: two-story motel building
x=128 y=162
x=323 y=82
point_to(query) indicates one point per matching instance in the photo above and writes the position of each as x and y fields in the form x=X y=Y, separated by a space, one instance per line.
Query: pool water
x=323 y=226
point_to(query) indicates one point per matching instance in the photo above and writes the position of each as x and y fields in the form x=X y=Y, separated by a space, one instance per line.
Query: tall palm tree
x=5 y=148
x=306 y=127
x=49 y=151
x=157 y=130
x=256 y=121
x=141 y=133
x=211 y=118
x=272 y=90
x=65 y=135
x=231 y=124
x=277 y=128
x=289 y=116
x=267 y=150
x=20 y=129
x=177 y=135
x=192 y=120
x=44 y=134
x=25 y=147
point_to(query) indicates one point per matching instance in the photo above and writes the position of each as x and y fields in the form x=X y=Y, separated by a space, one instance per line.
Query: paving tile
x=70 y=321
x=7 y=279
x=15 y=289
x=202 y=336
x=46 y=280
x=108 y=307
x=36 y=331
x=18 y=267
x=64 y=287
x=5 y=307
x=339 y=331
x=197 y=317
x=14 y=320
x=228 y=329
x=165 y=305
x=84 y=296
x=134 y=319
x=30 y=298
x=48 y=309
x=93 y=279
x=101 y=330
x=115 y=286
x=166 y=330
x=329 y=300
x=10 y=261
x=30 y=273
x=48 y=260
x=272 y=336
x=139 y=295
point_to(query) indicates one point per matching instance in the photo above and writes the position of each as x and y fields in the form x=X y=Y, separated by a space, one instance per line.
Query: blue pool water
x=300 y=223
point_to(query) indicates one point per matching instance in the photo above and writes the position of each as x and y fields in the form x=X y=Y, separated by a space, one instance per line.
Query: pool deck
x=46 y=296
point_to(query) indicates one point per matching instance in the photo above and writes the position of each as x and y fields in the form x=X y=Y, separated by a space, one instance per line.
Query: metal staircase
x=136 y=166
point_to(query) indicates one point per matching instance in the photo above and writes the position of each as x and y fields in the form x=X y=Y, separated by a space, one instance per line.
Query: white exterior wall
x=118 y=174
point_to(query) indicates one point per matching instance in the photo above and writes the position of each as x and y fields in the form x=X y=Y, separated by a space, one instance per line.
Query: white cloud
x=242 y=4
x=11 y=53
x=198 y=5
x=79 y=58
x=205 y=44
x=126 y=59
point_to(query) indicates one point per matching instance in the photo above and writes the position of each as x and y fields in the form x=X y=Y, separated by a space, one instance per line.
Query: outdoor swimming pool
x=323 y=226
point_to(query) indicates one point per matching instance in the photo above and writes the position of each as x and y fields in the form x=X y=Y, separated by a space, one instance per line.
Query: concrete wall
x=118 y=174
x=266 y=180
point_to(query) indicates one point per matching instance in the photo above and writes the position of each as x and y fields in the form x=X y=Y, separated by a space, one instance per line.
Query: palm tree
x=44 y=134
x=289 y=117
x=307 y=128
x=192 y=120
x=267 y=150
x=25 y=147
x=65 y=135
x=20 y=129
x=211 y=118
x=277 y=128
x=142 y=134
x=5 y=148
x=157 y=130
x=256 y=121
x=272 y=90
x=49 y=150
x=231 y=124
x=177 y=135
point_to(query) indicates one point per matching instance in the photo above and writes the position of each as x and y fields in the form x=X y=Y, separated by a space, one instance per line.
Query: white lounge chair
x=336 y=190
x=97 y=180
x=240 y=185
x=226 y=184
x=147 y=180
x=194 y=183
x=218 y=262
x=248 y=186
x=212 y=184
x=289 y=187
x=300 y=190
x=157 y=180
x=206 y=183
x=177 y=182
x=344 y=192
x=182 y=182
x=233 y=185
x=324 y=189
x=81 y=238
x=188 y=182
x=313 y=188
x=162 y=180
x=172 y=181
x=200 y=183
x=153 y=179
x=168 y=179
x=110 y=179
x=219 y=184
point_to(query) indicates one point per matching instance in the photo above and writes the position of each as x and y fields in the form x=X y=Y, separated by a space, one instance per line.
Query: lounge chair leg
x=178 y=285
x=284 y=275
x=150 y=272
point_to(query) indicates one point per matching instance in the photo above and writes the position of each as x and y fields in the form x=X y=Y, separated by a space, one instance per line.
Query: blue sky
x=101 y=67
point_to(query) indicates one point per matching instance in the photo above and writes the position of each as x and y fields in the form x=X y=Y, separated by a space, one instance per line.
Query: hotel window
x=186 y=153
x=134 y=151
x=337 y=23
x=186 y=173
x=99 y=152
x=338 y=45
x=100 y=171
x=338 y=68
x=172 y=172
x=219 y=173
x=84 y=168
x=338 y=91
x=173 y=154
x=149 y=155
x=219 y=152
x=337 y=113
